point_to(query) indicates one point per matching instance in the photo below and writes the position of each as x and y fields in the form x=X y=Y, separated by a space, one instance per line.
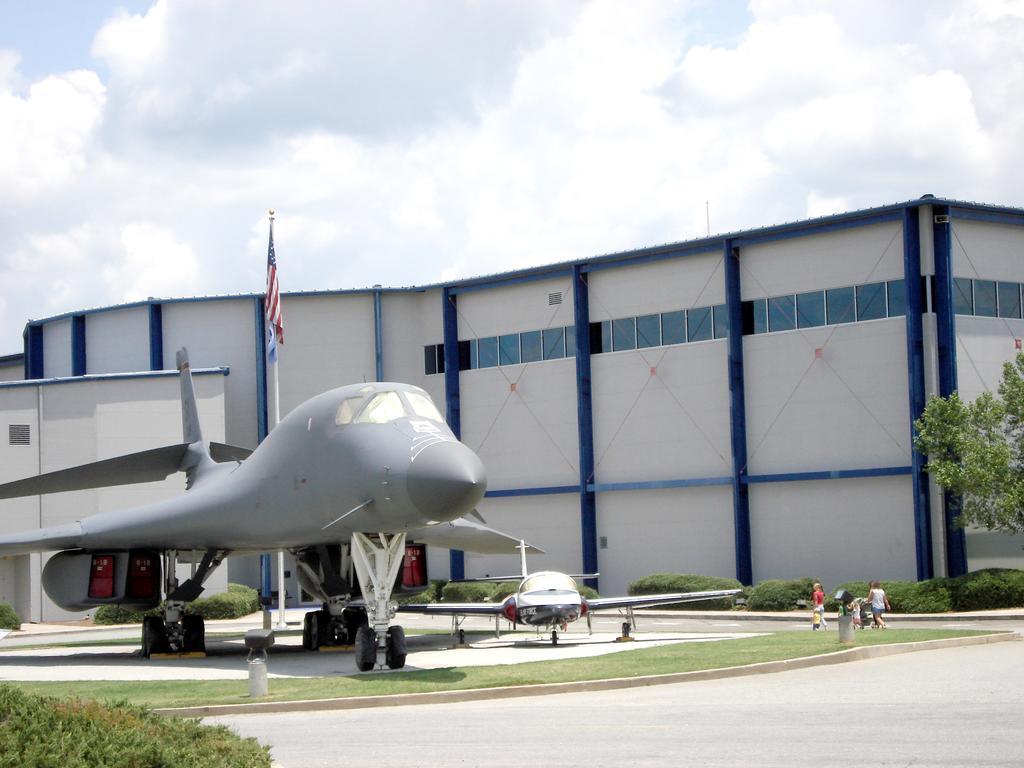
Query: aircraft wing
x=42 y=540
x=641 y=601
x=470 y=536
x=141 y=467
x=453 y=609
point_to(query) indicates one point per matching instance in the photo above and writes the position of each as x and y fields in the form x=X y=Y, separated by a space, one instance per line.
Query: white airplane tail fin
x=191 y=431
x=522 y=557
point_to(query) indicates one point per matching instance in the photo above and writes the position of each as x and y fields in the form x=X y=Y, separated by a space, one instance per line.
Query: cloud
x=45 y=134
x=409 y=142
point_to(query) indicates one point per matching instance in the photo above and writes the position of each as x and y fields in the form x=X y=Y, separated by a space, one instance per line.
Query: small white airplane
x=551 y=599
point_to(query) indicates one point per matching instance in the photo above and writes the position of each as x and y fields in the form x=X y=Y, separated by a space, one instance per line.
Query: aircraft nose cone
x=445 y=481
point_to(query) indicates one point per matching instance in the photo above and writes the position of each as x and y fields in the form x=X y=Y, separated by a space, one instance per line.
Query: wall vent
x=18 y=434
x=554 y=298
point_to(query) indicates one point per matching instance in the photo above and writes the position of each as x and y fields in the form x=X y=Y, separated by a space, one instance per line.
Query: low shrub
x=44 y=731
x=467 y=592
x=431 y=594
x=8 y=618
x=237 y=602
x=987 y=589
x=780 y=594
x=659 y=583
x=588 y=592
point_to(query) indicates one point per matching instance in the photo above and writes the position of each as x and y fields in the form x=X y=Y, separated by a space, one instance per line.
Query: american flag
x=275 y=322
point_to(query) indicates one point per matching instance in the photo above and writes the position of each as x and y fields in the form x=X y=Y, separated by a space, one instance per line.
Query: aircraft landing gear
x=377 y=560
x=554 y=637
x=176 y=631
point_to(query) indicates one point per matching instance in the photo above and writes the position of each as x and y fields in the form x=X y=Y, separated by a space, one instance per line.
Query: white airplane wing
x=641 y=601
x=453 y=609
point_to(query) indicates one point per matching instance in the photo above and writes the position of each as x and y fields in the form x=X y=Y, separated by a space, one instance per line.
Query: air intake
x=19 y=434
x=554 y=298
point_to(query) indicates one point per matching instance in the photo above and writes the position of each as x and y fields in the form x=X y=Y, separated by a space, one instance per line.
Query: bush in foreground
x=8 y=618
x=975 y=591
x=659 y=583
x=43 y=731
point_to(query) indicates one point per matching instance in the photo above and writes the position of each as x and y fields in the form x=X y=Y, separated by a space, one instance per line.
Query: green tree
x=976 y=450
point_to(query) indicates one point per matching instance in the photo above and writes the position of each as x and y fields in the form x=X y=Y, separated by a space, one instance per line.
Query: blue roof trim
x=16 y=359
x=222 y=370
x=546 y=491
x=829 y=474
x=1012 y=218
x=653 y=485
x=740 y=238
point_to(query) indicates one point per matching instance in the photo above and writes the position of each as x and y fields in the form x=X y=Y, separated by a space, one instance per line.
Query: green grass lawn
x=684 y=657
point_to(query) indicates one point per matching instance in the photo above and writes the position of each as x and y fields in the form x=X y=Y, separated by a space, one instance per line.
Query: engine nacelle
x=77 y=580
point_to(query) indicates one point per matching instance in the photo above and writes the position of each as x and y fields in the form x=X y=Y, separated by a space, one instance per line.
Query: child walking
x=879 y=603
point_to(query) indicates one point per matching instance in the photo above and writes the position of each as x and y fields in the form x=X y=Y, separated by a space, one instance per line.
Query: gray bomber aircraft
x=343 y=482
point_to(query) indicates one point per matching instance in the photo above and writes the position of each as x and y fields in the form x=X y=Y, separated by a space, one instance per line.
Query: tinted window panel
x=810 y=309
x=897 y=298
x=781 y=314
x=465 y=355
x=963 y=303
x=606 y=336
x=673 y=327
x=698 y=324
x=1009 y=299
x=648 y=331
x=474 y=360
x=440 y=358
x=624 y=333
x=985 y=298
x=759 y=307
x=487 y=352
x=870 y=301
x=430 y=359
x=508 y=349
x=554 y=343
x=530 y=341
x=721 y=318
x=570 y=341
x=597 y=339
x=839 y=306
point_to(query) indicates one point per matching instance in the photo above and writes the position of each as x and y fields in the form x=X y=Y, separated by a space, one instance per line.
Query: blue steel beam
x=737 y=416
x=585 y=422
x=78 y=362
x=378 y=333
x=916 y=393
x=453 y=408
x=34 y=352
x=945 y=326
x=156 y=337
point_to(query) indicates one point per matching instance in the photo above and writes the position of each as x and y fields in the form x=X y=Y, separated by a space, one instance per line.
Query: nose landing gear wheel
x=554 y=637
x=366 y=649
x=396 y=650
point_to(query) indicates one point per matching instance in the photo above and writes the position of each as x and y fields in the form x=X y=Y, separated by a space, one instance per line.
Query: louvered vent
x=18 y=434
x=554 y=298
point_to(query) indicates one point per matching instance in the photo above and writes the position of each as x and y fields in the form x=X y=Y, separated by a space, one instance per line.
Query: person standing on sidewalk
x=879 y=604
x=819 y=606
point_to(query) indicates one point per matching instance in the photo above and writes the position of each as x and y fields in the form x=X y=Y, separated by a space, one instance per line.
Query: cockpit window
x=423 y=406
x=347 y=410
x=548 y=580
x=382 y=408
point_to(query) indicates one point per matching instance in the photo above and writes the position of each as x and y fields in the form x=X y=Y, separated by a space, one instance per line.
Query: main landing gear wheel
x=366 y=649
x=395 y=649
x=194 y=633
x=554 y=637
x=354 y=619
x=154 y=636
x=316 y=630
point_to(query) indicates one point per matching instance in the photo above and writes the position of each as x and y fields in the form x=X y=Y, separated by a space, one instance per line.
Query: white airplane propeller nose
x=446 y=481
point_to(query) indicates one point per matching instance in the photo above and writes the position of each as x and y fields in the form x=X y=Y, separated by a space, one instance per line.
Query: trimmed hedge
x=237 y=602
x=8 y=618
x=658 y=583
x=780 y=594
x=431 y=594
x=477 y=591
x=45 y=731
x=975 y=591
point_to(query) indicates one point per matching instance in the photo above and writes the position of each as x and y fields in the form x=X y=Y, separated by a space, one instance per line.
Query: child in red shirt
x=819 y=606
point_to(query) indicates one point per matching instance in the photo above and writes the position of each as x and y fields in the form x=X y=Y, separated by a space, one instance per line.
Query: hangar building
x=738 y=405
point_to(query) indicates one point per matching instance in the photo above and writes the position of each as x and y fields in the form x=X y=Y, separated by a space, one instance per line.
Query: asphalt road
x=953 y=707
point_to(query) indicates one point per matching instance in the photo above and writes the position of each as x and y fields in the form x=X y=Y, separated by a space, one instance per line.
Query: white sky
x=407 y=142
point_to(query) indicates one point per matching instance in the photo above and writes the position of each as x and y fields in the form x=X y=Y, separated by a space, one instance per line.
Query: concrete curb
x=544 y=689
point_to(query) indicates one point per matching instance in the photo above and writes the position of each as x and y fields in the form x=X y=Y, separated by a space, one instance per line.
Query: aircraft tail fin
x=522 y=557
x=191 y=432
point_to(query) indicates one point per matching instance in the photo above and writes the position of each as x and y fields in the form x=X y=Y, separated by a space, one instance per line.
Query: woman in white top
x=879 y=603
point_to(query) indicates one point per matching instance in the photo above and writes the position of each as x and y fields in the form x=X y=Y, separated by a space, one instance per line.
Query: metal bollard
x=257 y=674
x=257 y=641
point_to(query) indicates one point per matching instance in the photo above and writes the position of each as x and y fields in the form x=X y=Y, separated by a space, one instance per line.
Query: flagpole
x=275 y=418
